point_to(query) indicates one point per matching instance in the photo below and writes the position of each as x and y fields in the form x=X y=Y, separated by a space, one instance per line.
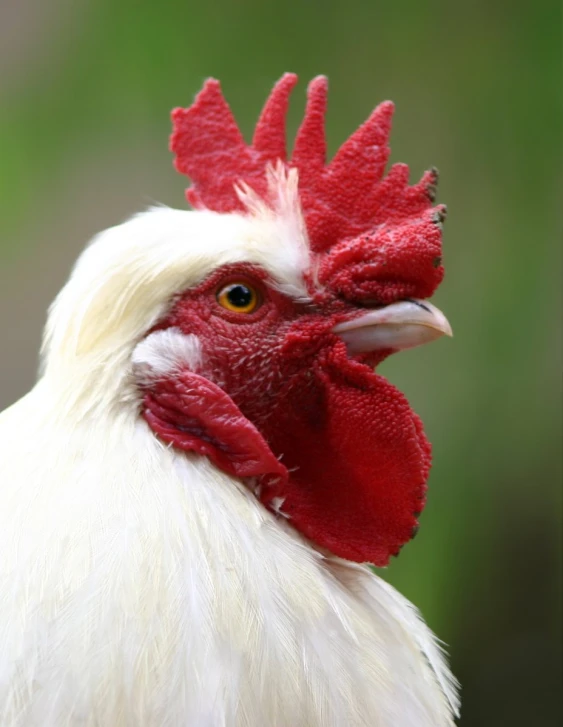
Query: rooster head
x=283 y=390
x=254 y=323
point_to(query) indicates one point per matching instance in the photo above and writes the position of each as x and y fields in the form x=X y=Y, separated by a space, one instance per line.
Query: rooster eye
x=238 y=297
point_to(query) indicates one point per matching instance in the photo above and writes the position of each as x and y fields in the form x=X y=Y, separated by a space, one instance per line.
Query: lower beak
x=400 y=325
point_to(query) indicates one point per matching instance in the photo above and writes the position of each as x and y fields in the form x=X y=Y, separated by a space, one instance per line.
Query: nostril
x=419 y=303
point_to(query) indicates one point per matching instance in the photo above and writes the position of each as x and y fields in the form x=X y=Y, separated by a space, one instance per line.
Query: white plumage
x=141 y=586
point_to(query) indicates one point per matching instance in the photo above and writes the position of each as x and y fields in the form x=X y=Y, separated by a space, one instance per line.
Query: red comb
x=343 y=199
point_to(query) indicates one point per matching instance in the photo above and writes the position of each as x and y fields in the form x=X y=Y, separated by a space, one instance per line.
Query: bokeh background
x=85 y=93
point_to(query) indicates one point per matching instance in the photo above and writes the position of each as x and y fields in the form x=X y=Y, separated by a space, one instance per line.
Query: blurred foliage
x=84 y=120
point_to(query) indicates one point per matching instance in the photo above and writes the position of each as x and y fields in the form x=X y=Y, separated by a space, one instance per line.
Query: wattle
x=340 y=453
x=357 y=458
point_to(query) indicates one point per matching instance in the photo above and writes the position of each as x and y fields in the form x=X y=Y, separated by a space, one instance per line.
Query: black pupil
x=240 y=296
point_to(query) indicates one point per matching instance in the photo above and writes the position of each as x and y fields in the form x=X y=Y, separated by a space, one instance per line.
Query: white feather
x=142 y=587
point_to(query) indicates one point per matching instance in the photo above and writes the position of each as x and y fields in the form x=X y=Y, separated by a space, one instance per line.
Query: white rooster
x=188 y=494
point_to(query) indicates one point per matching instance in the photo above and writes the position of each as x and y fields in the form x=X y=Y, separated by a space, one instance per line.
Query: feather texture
x=141 y=586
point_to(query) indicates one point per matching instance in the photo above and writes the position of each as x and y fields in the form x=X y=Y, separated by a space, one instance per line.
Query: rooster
x=191 y=493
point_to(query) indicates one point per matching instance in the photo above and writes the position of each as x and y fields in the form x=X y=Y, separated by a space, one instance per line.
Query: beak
x=400 y=325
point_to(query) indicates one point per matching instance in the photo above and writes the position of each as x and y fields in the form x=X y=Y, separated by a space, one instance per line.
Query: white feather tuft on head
x=282 y=205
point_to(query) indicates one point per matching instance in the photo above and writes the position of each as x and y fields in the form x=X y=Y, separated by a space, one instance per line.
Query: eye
x=238 y=297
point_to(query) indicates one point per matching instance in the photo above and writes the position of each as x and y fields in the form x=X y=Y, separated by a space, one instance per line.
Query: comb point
x=309 y=152
x=270 y=135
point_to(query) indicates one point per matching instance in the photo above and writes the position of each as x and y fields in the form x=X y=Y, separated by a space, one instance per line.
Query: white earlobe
x=163 y=352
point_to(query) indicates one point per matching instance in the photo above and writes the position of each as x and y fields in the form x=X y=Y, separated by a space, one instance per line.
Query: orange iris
x=238 y=297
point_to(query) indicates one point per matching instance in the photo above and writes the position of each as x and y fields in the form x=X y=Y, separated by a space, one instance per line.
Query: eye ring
x=238 y=297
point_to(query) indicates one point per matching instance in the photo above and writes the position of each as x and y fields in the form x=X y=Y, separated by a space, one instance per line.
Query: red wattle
x=358 y=462
x=354 y=457
x=195 y=415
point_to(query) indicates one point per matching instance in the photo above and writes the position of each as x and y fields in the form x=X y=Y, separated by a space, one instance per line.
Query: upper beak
x=400 y=325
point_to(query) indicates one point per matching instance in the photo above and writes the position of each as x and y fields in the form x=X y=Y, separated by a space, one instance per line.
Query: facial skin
x=343 y=456
x=255 y=355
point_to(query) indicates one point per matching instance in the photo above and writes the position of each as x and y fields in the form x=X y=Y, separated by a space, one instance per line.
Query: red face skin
x=332 y=445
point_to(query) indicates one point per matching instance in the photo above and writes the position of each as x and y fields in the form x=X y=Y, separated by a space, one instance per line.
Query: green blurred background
x=85 y=93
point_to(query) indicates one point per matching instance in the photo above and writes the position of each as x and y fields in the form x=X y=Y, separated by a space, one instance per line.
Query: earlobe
x=195 y=415
x=163 y=352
